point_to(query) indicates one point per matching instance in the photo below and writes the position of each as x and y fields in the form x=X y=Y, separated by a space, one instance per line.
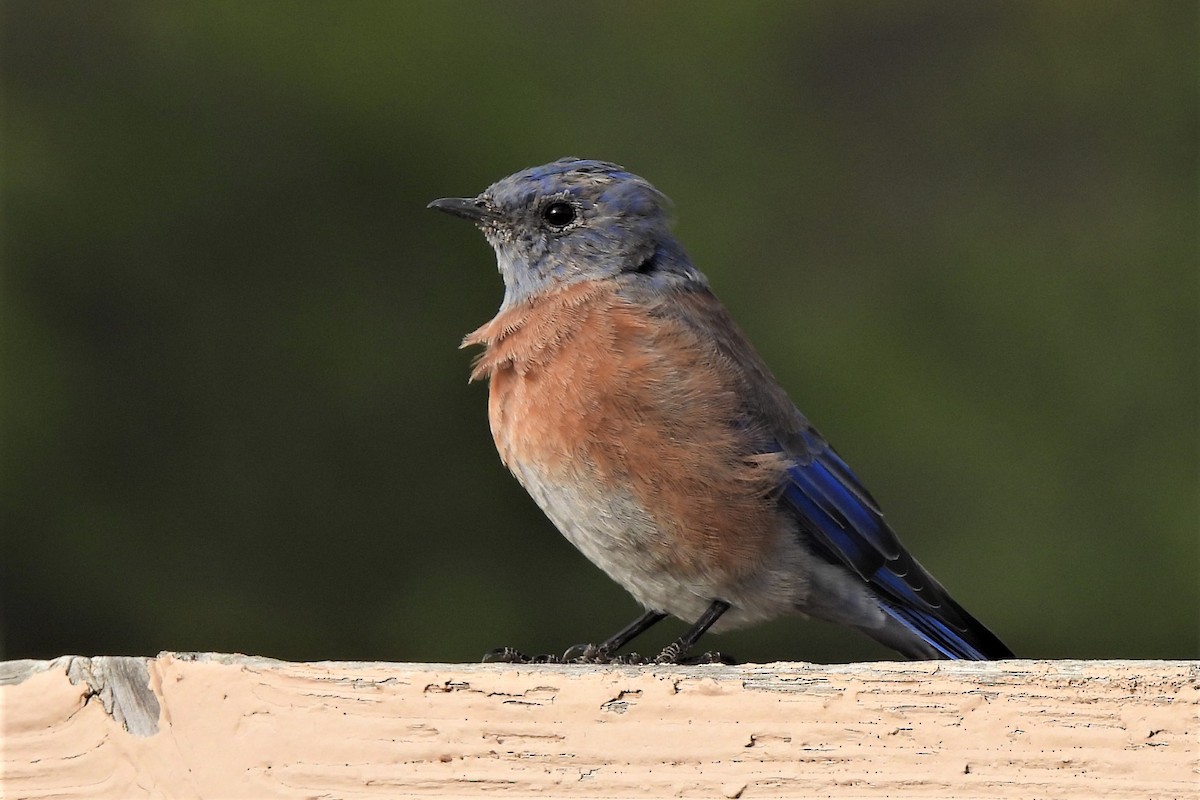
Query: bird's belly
x=619 y=536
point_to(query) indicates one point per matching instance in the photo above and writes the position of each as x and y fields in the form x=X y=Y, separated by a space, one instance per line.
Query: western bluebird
x=641 y=420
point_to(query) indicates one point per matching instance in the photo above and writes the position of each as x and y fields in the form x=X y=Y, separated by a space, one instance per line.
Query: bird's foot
x=586 y=654
x=597 y=654
x=670 y=654
x=631 y=660
x=510 y=655
x=594 y=654
x=711 y=657
x=674 y=654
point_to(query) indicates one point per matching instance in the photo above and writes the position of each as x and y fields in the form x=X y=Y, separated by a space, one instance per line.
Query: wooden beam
x=226 y=726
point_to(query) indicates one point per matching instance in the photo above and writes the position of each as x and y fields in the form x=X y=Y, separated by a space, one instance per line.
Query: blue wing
x=845 y=526
x=839 y=519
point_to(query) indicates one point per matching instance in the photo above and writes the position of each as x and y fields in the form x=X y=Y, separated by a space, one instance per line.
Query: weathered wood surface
x=225 y=726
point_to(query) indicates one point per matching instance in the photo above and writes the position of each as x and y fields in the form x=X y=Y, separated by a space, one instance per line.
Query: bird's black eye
x=559 y=214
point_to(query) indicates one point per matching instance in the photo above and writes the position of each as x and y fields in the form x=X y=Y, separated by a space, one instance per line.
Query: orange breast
x=592 y=392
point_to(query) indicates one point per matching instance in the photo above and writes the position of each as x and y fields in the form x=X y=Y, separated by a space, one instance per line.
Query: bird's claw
x=510 y=655
x=594 y=654
x=711 y=657
x=586 y=654
x=669 y=655
x=505 y=655
x=630 y=660
x=672 y=654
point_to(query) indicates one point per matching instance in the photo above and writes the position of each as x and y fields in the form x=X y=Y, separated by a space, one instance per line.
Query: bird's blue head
x=574 y=220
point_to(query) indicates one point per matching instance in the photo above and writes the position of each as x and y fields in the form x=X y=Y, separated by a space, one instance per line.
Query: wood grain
x=241 y=727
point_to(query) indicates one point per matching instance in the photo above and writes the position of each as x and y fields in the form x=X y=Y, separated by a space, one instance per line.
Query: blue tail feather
x=847 y=527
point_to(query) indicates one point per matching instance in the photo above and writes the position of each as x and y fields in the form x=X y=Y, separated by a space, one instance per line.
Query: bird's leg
x=678 y=648
x=602 y=653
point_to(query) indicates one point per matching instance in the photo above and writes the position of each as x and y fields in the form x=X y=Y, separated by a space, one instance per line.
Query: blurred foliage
x=233 y=413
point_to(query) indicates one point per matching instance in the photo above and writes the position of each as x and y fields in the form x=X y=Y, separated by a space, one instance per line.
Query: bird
x=641 y=420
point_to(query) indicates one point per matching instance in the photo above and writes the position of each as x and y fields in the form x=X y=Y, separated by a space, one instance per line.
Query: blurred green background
x=234 y=417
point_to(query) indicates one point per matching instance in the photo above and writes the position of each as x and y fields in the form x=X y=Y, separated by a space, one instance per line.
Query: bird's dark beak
x=471 y=208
